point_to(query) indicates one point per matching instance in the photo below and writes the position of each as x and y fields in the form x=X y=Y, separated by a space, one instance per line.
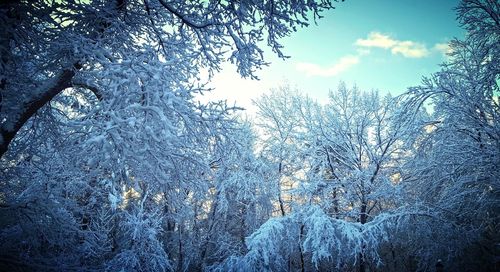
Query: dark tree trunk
x=362 y=220
x=302 y=265
x=9 y=128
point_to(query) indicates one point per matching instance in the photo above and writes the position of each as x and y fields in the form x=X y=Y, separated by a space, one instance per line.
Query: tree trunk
x=362 y=220
x=13 y=123
x=181 y=257
x=302 y=265
x=14 y=112
x=280 y=199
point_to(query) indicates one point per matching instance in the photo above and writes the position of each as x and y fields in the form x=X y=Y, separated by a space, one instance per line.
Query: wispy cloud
x=344 y=63
x=408 y=49
x=376 y=39
x=443 y=48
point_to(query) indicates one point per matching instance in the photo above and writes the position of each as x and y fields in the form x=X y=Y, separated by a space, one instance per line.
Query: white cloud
x=408 y=49
x=376 y=39
x=343 y=64
x=443 y=48
x=363 y=51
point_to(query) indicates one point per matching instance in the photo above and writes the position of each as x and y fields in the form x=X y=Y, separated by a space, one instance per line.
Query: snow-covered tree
x=279 y=125
x=109 y=163
x=455 y=172
x=49 y=46
x=99 y=119
x=240 y=197
x=345 y=157
x=358 y=142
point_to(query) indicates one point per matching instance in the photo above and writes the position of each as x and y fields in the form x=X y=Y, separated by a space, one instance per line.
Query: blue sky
x=384 y=45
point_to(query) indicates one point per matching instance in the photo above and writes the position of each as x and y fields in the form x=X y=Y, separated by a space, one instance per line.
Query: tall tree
x=279 y=124
x=98 y=114
x=455 y=169
x=49 y=46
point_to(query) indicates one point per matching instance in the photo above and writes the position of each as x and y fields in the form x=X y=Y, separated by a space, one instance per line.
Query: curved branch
x=93 y=89
x=9 y=128
x=183 y=17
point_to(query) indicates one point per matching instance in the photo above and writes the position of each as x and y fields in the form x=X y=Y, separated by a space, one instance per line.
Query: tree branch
x=183 y=17
x=93 y=89
x=9 y=128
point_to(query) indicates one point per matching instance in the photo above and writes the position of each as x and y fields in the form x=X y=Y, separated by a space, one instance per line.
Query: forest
x=108 y=162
